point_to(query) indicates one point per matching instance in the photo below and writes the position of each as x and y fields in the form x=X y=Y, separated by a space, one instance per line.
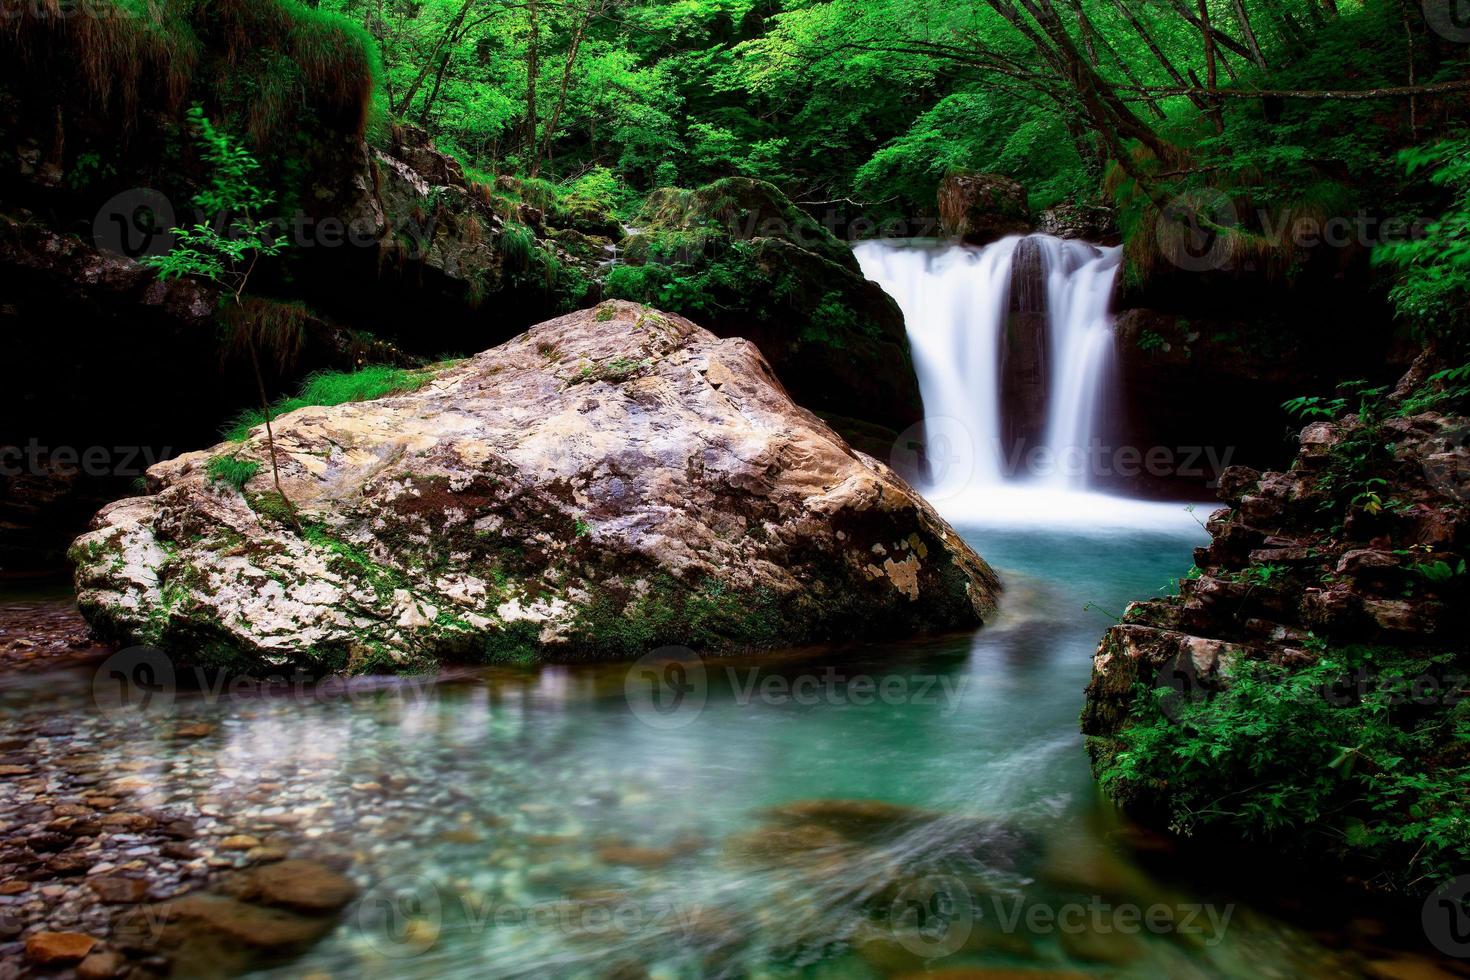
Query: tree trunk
x=543 y=149
x=533 y=69
x=1243 y=19
x=450 y=33
x=1212 y=80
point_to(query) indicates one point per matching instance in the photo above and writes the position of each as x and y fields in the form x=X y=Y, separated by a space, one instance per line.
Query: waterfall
x=1013 y=347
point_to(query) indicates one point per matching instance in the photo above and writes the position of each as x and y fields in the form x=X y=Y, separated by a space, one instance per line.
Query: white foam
x=1027 y=505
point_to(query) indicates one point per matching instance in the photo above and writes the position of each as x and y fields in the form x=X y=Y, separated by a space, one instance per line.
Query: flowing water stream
x=873 y=811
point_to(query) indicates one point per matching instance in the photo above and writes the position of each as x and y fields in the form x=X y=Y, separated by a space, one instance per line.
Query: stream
x=874 y=810
x=563 y=822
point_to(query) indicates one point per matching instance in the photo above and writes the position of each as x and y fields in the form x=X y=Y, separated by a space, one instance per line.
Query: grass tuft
x=333 y=388
x=233 y=471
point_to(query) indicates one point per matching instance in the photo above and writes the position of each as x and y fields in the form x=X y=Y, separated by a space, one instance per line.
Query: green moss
x=355 y=562
x=273 y=506
x=515 y=643
x=709 y=616
x=233 y=471
x=276 y=65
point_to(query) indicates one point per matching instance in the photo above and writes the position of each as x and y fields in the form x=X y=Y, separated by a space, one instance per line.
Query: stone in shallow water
x=101 y=965
x=636 y=857
x=57 y=948
x=239 y=842
x=119 y=891
x=307 y=886
x=851 y=817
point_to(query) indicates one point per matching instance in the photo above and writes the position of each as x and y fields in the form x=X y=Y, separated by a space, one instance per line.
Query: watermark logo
x=1446 y=917
x=667 y=688
x=933 y=917
x=134 y=681
x=402 y=916
x=1450 y=19
x=1193 y=229
x=940 y=451
x=136 y=223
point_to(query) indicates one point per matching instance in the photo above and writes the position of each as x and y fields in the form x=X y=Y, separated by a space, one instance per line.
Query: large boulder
x=982 y=208
x=746 y=262
x=610 y=482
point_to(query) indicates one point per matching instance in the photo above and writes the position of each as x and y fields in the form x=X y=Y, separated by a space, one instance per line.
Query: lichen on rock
x=612 y=481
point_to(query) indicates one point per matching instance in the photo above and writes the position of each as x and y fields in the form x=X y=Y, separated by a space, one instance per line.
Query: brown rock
x=129 y=821
x=777 y=845
x=101 y=965
x=58 y=948
x=252 y=925
x=68 y=865
x=1366 y=561
x=636 y=857
x=306 y=886
x=1236 y=482
x=118 y=890
x=854 y=818
x=981 y=208
x=239 y=842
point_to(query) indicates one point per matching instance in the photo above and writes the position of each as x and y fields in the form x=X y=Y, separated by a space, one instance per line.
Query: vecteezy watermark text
x=144 y=680
x=936 y=915
x=35 y=459
x=669 y=687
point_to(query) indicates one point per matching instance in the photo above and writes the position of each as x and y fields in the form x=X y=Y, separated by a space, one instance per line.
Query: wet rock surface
x=610 y=482
x=39 y=634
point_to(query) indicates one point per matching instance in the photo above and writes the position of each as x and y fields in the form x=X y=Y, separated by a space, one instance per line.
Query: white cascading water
x=1079 y=293
x=956 y=300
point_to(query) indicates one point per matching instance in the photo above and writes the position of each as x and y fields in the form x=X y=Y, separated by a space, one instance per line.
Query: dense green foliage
x=1365 y=753
x=1434 y=288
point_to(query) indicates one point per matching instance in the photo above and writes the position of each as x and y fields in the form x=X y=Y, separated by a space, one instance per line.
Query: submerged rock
x=610 y=482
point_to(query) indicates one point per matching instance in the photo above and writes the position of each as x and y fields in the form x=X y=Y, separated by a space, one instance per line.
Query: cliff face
x=1325 y=589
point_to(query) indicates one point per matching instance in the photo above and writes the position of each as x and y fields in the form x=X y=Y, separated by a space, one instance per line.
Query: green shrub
x=1342 y=759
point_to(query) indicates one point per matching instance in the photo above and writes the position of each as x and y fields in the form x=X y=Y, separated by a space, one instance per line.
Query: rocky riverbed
x=39 y=633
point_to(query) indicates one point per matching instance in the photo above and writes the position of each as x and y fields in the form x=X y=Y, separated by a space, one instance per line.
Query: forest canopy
x=1292 y=108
